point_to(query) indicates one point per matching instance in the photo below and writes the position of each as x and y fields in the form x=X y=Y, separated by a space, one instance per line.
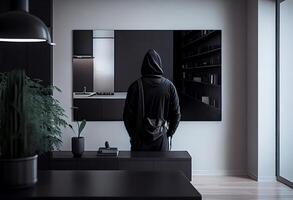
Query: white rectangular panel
x=103 y=50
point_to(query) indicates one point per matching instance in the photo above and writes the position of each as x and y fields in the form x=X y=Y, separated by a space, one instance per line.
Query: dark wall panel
x=82 y=74
x=130 y=48
x=43 y=9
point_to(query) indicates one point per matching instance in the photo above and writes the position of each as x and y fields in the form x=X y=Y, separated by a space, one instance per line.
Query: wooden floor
x=240 y=188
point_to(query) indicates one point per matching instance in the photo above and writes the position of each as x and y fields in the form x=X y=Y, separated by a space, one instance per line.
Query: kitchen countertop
x=117 y=95
x=111 y=184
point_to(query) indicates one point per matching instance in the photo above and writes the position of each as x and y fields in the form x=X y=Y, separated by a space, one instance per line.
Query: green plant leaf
x=81 y=127
x=71 y=127
x=31 y=119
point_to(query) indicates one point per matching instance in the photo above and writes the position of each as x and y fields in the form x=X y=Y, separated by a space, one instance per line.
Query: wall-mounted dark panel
x=5 y=5
x=40 y=62
x=197 y=74
x=82 y=43
x=13 y=56
x=43 y=9
x=130 y=49
x=191 y=59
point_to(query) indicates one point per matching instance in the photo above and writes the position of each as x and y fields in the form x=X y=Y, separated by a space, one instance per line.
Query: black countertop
x=107 y=185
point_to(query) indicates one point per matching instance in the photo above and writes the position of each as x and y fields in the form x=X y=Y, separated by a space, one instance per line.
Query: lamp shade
x=20 y=26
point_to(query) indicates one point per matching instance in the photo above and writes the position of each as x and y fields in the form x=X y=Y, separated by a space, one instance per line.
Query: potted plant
x=31 y=121
x=77 y=143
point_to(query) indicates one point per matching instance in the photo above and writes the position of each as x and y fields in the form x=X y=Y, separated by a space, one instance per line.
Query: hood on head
x=152 y=64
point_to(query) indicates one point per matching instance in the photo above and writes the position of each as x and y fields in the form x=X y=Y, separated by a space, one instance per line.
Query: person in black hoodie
x=161 y=102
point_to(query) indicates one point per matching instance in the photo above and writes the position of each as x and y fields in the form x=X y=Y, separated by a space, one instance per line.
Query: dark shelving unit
x=202 y=83
x=197 y=74
x=202 y=67
x=204 y=104
x=197 y=39
x=203 y=53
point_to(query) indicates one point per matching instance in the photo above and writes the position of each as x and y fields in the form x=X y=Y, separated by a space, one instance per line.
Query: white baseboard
x=266 y=179
x=262 y=178
x=234 y=173
x=219 y=172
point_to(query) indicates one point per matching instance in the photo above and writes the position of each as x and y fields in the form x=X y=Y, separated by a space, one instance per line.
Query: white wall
x=266 y=90
x=216 y=147
x=286 y=96
x=261 y=104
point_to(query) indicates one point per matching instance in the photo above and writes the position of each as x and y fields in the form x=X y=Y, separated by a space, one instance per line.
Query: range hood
x=103 y=53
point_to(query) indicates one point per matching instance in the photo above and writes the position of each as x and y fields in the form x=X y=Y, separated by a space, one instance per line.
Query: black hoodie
x=160 y=98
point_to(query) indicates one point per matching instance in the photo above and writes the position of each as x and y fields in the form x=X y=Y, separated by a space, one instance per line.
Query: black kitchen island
x=122 y=185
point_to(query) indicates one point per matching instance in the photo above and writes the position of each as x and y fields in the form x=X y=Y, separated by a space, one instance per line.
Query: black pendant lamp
x=20 y=26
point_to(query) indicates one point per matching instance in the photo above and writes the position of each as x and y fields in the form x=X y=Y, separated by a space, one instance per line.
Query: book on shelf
x=213 y=102
x=205 y=100
x=204 y=63
x=197 y=79
x=183 y=75
x=107 y=151
x=213 y=79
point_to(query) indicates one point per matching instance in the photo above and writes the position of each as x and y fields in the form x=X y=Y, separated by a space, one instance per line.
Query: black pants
x=161 y=144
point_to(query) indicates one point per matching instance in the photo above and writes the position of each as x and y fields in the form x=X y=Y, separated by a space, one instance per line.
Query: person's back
x=160 y=102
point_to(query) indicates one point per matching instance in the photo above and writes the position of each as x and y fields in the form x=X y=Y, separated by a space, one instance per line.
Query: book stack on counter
x=107 y=151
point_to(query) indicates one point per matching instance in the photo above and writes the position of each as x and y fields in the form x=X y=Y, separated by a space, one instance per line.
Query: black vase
x=77 y=146
x=19 y=172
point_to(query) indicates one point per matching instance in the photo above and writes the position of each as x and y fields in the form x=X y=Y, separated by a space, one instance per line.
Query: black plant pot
x=77 y=146
x=18 y=173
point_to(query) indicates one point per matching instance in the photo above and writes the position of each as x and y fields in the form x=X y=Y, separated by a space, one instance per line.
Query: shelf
x=202 y=67
x=200 y=63
x=199 y=39
x=202 y=83
x=204 y=104
x=203 y=53
x=82 y=57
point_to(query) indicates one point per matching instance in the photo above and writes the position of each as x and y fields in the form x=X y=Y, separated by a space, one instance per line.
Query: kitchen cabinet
x=82 y=43
x=98 y=109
